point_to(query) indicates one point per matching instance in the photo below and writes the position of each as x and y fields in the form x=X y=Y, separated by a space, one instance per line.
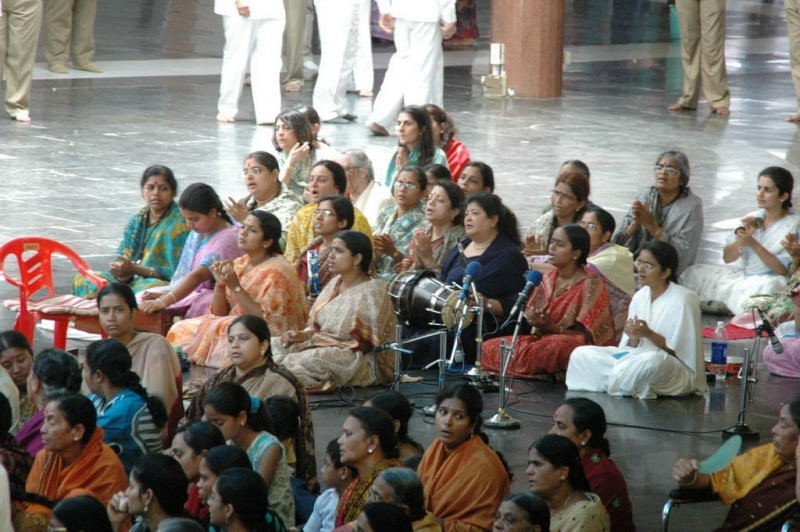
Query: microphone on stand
x=766 y=326
x=472 y=270
x=533 y=279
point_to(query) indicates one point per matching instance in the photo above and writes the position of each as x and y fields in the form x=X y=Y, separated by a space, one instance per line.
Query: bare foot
x=365 y=94
x=377 y=129
x=680 y=107
x=224 y=119
x=795 y=118
x=721 y=111
x=293 y=86
x=22 y=115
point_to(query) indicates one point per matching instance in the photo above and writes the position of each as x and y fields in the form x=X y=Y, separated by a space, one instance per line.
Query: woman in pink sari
x=260 y=283
x=212 y=239
x=569 y=309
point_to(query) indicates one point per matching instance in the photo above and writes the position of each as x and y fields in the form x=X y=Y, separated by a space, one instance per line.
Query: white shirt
x=420 y=10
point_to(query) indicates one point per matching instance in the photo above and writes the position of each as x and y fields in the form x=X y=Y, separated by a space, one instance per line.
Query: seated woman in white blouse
x=761 y=264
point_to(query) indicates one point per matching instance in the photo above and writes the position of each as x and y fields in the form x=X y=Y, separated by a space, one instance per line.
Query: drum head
x=401 y=292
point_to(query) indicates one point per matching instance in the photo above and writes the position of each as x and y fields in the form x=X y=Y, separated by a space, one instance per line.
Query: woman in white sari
x=661 y=352
x=761 y=264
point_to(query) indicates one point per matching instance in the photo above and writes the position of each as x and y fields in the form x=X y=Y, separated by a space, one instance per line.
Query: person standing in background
x=702 y=24
x=20 y=21
x=415 y=75
x=70 y=28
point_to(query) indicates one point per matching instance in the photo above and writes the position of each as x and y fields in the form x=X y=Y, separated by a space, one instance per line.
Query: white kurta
x=646 y=371
x=253 y=41
x=415 y=75
x=748 y=276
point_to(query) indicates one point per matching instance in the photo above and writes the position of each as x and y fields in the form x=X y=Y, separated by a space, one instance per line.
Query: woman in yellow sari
x=260 y=282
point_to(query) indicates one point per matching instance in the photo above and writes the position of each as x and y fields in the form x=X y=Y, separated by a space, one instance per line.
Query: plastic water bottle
x=719 y=350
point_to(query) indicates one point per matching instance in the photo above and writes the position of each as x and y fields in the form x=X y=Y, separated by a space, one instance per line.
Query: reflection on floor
x=73 y=173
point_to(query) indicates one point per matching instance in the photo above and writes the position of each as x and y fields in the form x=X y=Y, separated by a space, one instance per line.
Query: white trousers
x=416 y=71
x=338 y=22
x=363 y=71
x=256 y=43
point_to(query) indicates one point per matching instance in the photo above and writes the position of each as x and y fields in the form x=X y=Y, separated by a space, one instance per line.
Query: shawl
x=745 y=472
x=356 y=494
x=372 y=200
x=465 y=487
x=30 y=436
x=97 y=472
x=265 y=381
x=681 y=222
x=276 y=288
x=615 y=264
x=284 y=206
x=586 y=515
x=155 y=361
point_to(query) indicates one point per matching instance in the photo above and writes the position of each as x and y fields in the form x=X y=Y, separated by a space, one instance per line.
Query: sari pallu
x=347 y=327
x=356 y=494
x=265 y=381
x=278 y=292
x=325 y=274
x=759 y=486
x=401 y=230
x=583 y=303
x=441 y=248
x=157 y=246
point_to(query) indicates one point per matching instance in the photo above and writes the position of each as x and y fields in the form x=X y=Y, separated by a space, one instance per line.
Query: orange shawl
x=465 y=488
x=97 y=472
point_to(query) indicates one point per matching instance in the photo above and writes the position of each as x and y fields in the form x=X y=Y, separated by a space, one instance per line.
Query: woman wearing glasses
x=568 y=199
x=668 y=212
x=759 y=262
x=265 y=192
x=661 y=351
x=398 y=222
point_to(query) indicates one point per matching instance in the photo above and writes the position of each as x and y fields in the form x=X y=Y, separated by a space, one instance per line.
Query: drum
x=421 y=300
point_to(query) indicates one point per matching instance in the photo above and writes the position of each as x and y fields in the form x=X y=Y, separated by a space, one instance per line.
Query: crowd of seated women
x=289 y=289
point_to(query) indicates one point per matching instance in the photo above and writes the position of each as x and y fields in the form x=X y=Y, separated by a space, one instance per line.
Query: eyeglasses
x=590 y=226
x=253 y=170
x=557 y=194
x=669 y=170
x=408 y=185
x=646 y=266
x=351 y=168
x=324 y=212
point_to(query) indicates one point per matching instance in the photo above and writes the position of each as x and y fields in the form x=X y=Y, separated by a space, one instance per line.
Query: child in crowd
x=335 y=476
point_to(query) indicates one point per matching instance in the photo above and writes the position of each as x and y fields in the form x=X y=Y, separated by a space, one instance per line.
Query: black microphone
x=471 y=272
x=766 y=326
x=533 y=279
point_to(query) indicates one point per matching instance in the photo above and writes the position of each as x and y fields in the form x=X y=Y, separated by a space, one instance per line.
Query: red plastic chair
x=34 y=258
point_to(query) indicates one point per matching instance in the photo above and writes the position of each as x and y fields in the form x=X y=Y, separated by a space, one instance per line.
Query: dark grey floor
x=73 y=173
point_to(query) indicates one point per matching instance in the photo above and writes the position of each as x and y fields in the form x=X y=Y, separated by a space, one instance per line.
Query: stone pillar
x=533 y=32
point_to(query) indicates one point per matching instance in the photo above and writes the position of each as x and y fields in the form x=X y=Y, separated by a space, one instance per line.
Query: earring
x=370 y=451
x=146 y=507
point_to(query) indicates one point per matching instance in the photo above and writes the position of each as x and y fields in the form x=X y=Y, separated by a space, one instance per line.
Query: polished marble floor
x=73 y=173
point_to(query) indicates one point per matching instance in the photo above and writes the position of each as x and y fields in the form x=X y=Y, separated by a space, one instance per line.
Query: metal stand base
x=429 y=411
x=501 y=420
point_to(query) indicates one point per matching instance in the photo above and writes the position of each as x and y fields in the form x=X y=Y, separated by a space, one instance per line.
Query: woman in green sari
x=152 y=241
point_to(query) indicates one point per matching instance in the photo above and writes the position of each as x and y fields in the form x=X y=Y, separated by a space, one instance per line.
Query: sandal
x=680 y=107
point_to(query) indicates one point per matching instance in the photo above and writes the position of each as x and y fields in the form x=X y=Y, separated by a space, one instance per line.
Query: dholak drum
x=421 y=300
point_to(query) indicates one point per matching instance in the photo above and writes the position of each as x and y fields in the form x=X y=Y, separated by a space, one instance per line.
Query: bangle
x=174 y=299
x=658 y=233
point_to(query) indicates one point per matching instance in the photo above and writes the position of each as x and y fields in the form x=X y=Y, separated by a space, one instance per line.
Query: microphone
x=394 y=346
x=766 y=326
x=533 y=279
x=471 y=272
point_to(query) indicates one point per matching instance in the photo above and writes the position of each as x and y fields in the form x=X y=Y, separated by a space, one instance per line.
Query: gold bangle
x=174 y=299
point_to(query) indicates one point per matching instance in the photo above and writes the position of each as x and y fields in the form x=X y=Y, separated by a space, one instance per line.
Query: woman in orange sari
x=260 y=282
x=569 y=309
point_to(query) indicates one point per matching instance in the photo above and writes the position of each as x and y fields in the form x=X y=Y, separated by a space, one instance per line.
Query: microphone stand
x=502 y=420
x=749 y=379
x=476 y=372
x=461 y=310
